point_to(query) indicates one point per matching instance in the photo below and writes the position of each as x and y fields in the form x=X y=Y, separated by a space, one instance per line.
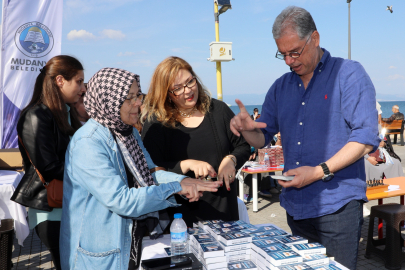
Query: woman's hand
x=193 y=188
x=372 y=160
x=226 y=172
x=200 y=168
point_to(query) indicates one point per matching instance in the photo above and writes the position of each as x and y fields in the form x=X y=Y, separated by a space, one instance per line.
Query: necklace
x=187 y=115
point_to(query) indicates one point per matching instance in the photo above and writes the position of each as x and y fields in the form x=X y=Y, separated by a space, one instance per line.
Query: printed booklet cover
x=265 y=251
x=235 y=247
x=234 y=238
x=242 y=265
x=316 y=259
x=191 y=231
x=309 y=248
x=211 y=250
x=298 y=266
x=328 y=267
x=203 y=224
x=284 y=257
x=197 y=239
x=290 y=240
x=257 y=245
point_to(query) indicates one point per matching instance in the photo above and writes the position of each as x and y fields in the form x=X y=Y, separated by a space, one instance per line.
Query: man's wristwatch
x=327 y=174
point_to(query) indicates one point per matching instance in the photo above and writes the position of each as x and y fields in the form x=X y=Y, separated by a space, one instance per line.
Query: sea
x=386 y=107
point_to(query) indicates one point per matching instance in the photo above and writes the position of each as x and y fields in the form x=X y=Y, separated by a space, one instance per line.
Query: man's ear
x=316 y=37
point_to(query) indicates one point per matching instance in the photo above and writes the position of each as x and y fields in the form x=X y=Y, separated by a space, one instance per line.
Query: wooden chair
x=395 y=127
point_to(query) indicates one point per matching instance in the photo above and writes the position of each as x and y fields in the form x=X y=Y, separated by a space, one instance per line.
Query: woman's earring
x=170 y=100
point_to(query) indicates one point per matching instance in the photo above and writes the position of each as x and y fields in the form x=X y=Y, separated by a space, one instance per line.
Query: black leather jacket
x=46 y=145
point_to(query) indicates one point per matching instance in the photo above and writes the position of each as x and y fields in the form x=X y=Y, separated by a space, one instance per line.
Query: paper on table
x=392 y=188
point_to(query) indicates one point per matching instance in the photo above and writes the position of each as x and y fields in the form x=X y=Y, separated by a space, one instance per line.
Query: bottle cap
x=178 y=215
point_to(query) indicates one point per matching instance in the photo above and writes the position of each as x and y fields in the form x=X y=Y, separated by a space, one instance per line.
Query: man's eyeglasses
x=134 y=99
x=292 y=54
x=181 y=89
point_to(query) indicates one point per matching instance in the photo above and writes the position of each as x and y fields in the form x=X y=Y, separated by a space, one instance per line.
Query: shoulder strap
x=39 y=174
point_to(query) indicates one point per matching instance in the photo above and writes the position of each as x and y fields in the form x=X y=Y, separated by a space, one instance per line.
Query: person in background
x=376 y=166
x=395 y=116
x=44 y=128
x=255 y=114
x=81 y=112
x=187 y=132
x=323 y=108
x=112 y=190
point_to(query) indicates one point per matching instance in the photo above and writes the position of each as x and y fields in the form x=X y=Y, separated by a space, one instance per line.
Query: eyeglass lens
x=189 y=84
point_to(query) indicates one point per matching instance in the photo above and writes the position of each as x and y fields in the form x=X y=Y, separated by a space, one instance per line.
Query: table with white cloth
x=153 y=249
x=243 y=172
x=9 y=180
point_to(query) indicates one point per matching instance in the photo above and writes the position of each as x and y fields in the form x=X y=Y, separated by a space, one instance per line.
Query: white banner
x=31 y=34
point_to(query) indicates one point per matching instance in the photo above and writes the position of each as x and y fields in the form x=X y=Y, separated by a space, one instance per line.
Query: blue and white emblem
x=34 y=39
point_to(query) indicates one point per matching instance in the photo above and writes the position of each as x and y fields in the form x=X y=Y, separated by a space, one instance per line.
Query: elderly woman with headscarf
x=111 y=197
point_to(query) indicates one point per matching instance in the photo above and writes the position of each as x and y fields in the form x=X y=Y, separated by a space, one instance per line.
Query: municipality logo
x=34 y=39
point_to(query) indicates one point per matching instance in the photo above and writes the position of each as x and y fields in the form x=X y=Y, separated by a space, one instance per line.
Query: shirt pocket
x=102 y=260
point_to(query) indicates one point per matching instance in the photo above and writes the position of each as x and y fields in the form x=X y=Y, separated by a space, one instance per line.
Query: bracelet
x=233 y=159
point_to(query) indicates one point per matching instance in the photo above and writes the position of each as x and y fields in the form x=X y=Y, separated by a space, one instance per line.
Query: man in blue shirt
x=325 y=111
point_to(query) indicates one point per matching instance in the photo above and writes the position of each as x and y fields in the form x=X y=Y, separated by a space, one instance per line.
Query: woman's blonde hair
x=158 y=103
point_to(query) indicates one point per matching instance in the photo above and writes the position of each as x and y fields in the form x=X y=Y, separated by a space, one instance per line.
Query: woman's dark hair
x=47 y=91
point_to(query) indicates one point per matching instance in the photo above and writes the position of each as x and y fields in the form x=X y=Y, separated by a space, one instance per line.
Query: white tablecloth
x=9 y=180
x=152 y=249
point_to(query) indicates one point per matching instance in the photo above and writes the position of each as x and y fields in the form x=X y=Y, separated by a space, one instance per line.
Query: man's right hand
x=243 y=122
x=193 y=188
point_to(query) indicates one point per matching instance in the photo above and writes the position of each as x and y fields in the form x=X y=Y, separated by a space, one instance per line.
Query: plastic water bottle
x=266 y=160
x=178 y=235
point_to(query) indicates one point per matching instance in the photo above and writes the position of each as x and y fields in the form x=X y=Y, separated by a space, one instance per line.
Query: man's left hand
x=303 y=176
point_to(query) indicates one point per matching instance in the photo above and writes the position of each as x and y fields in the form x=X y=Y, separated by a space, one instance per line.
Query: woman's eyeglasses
x=134 y=99
x=181 y=89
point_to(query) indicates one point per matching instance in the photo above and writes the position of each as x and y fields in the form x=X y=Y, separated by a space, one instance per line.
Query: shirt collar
x=320 y=66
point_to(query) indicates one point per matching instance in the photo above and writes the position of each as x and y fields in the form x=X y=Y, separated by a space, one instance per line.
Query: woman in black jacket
x=44 y=128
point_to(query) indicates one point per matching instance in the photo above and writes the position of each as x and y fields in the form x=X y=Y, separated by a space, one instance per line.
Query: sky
x=138 y=34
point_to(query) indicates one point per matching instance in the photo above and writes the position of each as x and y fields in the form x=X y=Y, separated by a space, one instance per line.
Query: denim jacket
x=98 y=205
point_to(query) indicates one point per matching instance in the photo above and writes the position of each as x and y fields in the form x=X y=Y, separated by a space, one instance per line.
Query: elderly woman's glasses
x=181 y=89
x=292 y=54
x=134 y=99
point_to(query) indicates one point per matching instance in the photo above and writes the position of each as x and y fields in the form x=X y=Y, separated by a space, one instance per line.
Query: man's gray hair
x=294 y=18
x=396 y=107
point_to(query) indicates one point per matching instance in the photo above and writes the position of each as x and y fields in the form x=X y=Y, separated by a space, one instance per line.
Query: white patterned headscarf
x=106 y=92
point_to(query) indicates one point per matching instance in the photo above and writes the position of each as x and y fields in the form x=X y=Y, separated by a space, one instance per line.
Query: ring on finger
x=230 y=176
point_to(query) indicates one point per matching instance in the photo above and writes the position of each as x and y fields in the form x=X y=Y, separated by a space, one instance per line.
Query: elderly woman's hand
x=193 y=188
x=226 y=172
x=372 y=160
x=201 y=169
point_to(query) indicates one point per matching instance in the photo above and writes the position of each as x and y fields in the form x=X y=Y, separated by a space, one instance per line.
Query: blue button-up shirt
x=337 y=107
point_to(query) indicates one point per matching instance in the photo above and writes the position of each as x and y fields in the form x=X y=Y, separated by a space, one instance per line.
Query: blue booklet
x=309 y=248
x=301 y=266
x=284 y=257
x=242 y=265
x=290 y=240
x=211 y=250
x=234 y=238
x=328 y=267
x=316 y=259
